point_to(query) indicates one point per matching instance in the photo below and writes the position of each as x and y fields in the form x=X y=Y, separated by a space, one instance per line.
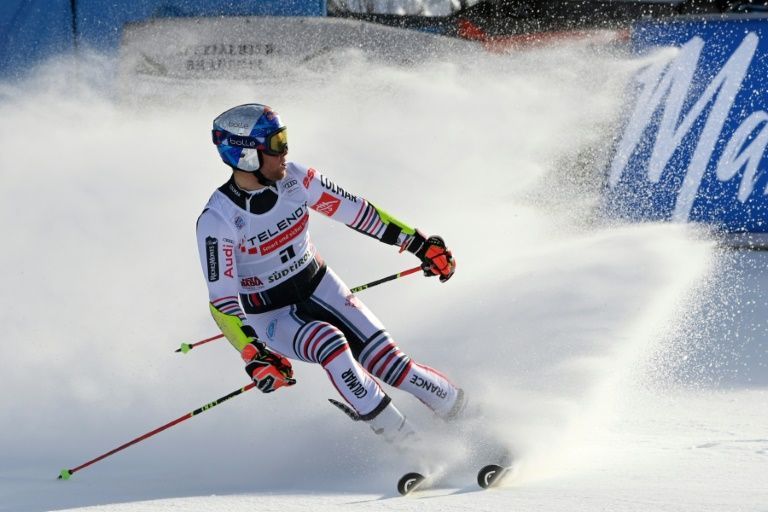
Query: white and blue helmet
x=242 y=133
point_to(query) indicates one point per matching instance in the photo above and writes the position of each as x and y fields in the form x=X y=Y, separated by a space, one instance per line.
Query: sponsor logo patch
x=290 y=269
x=326 y=183
x=310 y=176
x=234 y=190
x=327 y=204
x=251 y=282
x=212 y=257
x=229 y=259
x=352 y=301
x=432 y=388
x=286 y=236
x=354 y=385
x=244 y=247
x=238 y=124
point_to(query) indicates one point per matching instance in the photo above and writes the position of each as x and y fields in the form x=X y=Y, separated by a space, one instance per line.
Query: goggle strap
x=280 y=137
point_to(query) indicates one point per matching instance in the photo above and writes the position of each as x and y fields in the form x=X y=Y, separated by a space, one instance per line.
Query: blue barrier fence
x=693 y=146
x=32 y=30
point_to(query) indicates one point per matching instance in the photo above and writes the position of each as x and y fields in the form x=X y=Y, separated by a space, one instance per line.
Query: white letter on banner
x=675 y=85
x=655 y=86
x=734 y=157
x=725 y=86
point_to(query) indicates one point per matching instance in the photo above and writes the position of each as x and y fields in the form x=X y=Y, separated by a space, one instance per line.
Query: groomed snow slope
x=623 y=364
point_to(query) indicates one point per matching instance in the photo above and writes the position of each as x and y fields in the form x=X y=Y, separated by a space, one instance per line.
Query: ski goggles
x=275 y=144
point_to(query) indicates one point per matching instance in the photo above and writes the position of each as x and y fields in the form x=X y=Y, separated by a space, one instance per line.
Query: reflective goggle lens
x=278 y=142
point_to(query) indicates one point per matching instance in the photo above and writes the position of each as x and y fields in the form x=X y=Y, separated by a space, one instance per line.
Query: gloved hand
x=436 y=259
x=269 y=370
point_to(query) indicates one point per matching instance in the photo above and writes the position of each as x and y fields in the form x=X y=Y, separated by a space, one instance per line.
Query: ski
x=489 y=476
x=409 y=483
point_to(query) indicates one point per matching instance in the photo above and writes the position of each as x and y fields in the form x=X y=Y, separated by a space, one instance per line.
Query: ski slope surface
x=624 y=365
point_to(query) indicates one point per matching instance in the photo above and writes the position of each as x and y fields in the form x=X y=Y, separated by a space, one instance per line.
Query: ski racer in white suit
x=273 y=296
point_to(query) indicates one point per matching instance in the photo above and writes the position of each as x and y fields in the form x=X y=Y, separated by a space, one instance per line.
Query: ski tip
x=491 y=475
x=65 y=474
x=409 y=483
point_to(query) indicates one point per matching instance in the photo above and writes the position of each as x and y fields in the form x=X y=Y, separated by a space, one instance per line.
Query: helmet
x=242 y=133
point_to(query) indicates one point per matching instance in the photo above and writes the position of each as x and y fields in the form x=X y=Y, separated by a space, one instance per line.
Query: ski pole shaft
x=186 y=347
x=385 y=279
x=67 y=473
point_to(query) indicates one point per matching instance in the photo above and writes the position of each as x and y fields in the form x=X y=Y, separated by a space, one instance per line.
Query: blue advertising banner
x=694 y=143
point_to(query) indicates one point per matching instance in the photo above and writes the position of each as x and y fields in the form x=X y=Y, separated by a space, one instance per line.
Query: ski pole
x=186 y=347
x=67 y=473
x=385 y=279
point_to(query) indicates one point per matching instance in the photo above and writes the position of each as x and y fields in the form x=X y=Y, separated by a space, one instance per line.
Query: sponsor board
x=260 y=48
x=693 y=148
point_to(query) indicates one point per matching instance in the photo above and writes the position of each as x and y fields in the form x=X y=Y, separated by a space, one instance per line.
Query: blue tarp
x=32 y=30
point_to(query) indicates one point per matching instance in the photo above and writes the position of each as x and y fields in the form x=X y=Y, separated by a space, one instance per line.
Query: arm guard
x=395 y=232
x=233 y=329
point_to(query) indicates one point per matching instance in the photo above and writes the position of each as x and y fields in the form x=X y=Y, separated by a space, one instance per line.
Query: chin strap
x=259 y=176
x=263 y=179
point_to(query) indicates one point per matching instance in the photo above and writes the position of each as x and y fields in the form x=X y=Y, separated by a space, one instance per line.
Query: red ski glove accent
x=436 y=258
x=269 y=370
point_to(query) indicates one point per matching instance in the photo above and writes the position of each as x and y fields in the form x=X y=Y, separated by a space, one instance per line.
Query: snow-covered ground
x=624 y=365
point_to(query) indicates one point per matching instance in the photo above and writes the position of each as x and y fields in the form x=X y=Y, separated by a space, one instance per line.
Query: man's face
x=273 y=167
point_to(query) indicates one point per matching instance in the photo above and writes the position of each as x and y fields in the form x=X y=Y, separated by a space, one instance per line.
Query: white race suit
x=261 y=266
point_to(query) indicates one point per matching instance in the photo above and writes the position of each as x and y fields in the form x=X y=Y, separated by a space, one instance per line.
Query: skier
x=273 y=296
